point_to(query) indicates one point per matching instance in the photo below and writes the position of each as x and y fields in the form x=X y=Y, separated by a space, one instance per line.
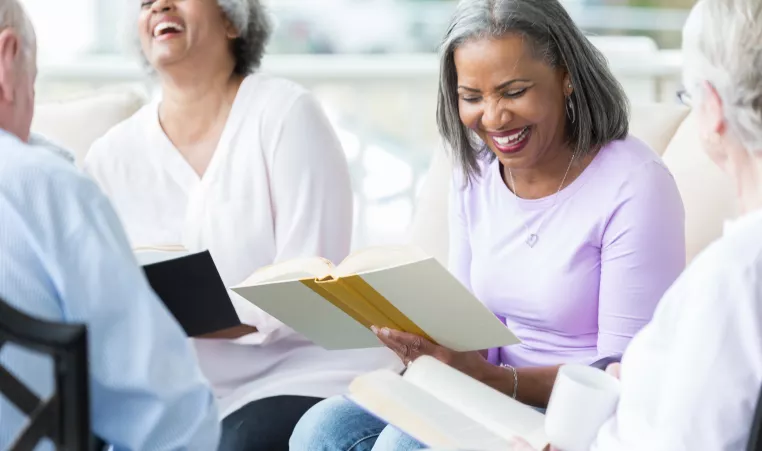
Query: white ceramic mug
x=583 y=398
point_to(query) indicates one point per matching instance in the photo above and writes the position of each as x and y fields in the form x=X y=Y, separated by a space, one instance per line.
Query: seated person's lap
x=337 y=424
x=265 y=424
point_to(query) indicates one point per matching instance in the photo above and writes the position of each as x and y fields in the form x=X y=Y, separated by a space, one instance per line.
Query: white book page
x=438 y=303
x=426 y=418
x=291 y=270
x=305 y=311
x=377 y=258
x=496 y=411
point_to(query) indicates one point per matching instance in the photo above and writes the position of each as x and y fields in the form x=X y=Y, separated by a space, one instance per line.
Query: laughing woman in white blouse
x=246 y=166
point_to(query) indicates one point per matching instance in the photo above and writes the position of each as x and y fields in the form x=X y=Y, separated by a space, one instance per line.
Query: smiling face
x=513 y=101
x=174 y=31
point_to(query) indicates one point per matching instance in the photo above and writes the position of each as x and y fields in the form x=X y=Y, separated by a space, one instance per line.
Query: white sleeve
x=311 y=187
x=92 y=167
x=312 y=201
x=709 y=385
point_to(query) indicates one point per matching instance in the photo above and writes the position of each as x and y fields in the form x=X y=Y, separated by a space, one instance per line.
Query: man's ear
x=714 y=110
x=10 y=48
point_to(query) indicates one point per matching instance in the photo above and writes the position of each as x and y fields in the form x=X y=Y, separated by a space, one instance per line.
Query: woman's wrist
x=515 y=379
x=532 y=384
x=503 y=379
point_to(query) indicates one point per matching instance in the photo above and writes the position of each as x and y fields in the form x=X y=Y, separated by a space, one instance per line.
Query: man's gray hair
x=12 y=15
x=602 y=109
x=722 y=45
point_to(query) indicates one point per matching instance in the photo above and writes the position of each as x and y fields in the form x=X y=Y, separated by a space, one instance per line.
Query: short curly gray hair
x=721 y=45
x=251 y=19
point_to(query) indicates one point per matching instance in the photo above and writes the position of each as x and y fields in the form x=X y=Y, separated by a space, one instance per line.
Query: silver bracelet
x=515 y=378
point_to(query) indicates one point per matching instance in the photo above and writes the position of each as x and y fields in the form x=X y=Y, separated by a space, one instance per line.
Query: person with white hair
x=65 y=258
x=691 y=379
x=247 y=166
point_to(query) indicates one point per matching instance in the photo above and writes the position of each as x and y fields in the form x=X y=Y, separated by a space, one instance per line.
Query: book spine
x=338 y=299
x=354 y=296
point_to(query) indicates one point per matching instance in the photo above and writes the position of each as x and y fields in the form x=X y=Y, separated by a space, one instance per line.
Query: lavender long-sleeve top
x=609 y=245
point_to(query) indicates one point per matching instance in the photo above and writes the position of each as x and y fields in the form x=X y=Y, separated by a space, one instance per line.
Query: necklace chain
x=533 y=237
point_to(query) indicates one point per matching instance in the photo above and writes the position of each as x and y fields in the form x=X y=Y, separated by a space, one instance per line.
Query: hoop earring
x=570 y=111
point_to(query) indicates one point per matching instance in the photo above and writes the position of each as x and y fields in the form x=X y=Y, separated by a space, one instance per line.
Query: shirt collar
x=37 y=140
x=7 y=134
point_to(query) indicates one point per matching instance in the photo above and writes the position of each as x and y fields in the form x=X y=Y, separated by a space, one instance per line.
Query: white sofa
x=669 y=129
x=76 y=122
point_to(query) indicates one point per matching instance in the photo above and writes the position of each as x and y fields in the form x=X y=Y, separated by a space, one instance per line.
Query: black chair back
x=64 y=418
x=755 y=436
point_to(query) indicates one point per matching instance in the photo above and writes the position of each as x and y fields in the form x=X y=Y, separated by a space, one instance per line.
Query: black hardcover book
x=193 y=291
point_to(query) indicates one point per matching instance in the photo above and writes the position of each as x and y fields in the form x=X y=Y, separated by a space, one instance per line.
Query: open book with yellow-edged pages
x=396 y=287
x=446 y=409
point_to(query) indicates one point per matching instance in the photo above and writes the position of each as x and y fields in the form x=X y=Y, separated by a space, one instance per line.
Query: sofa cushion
x=74 y=124
x=430 y=228
x=707 y=193
x=656 y=123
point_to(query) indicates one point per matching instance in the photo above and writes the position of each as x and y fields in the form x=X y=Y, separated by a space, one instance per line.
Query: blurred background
x=373 y=65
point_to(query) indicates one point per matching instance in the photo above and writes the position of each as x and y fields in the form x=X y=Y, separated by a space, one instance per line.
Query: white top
x=277 y=188
x=691 y=379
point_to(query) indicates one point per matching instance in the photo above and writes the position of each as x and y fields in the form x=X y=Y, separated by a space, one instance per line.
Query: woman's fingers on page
x=417 y=344
x=407 y=346
x=410 y=346
x=385 y=336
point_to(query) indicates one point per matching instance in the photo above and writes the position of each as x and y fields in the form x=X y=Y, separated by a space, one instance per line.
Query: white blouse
x=691 y=378
x=277 y=188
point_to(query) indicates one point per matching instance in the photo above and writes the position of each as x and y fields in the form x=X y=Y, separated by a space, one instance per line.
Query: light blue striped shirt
x=64 y=257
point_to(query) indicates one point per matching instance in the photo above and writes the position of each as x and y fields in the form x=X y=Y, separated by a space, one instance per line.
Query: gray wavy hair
x=722 y=45
x=602 y=109
x=251 y=19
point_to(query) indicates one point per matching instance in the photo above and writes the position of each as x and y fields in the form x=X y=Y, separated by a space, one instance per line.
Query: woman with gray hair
x=247 y=166
x=566 y=227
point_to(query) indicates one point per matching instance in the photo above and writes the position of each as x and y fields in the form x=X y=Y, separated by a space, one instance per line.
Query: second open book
x=444 y=408
x=396 y=287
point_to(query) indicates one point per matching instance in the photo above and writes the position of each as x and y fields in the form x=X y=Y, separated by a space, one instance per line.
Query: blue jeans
x=337 y=424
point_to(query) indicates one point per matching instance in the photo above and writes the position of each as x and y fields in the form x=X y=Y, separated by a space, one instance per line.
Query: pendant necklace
x=533 y=237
